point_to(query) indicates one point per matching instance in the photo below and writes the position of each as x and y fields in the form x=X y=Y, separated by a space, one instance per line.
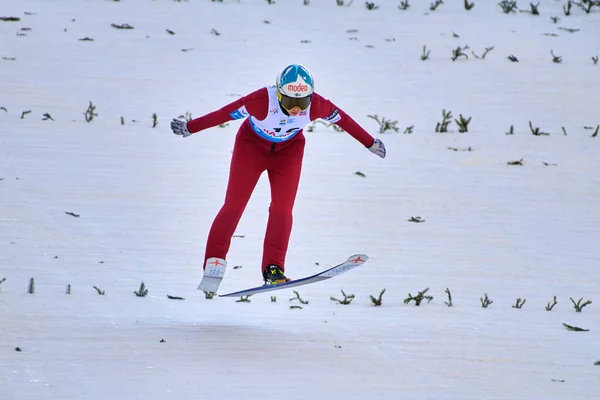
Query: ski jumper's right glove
x=377 y=148
x=180 y=128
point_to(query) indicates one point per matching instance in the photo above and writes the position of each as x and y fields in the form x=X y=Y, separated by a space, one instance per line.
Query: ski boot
x=273 y=275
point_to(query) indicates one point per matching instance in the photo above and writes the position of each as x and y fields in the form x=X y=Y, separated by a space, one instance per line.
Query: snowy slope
x=146 y=199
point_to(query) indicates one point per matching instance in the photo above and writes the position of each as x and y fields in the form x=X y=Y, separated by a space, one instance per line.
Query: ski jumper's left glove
x=377 y=148
x=180 y=128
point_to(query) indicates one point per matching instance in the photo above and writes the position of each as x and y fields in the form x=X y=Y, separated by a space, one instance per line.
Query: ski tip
x=358 y=258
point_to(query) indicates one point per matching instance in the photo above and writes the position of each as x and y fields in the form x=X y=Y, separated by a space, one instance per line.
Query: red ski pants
x=252 y=156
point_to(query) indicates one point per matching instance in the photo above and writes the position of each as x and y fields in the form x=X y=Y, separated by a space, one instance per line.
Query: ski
x=213 y=274
x=351 y=263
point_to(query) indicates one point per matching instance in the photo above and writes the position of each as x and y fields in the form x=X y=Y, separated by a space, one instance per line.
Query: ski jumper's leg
x=248 y=162
x=284 y=175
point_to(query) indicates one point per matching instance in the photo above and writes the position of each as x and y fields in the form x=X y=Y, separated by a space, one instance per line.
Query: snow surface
x=146 y=199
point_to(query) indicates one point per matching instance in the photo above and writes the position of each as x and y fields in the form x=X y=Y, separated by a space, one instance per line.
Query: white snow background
x=146 y=199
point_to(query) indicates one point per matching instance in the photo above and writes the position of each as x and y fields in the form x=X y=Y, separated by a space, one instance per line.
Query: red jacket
x=257 y=105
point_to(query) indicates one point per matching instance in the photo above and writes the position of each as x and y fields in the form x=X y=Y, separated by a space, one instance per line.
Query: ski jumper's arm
x=255 y=104
x=322 y=108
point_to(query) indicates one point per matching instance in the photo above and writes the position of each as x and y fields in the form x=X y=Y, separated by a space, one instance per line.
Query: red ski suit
x=252 y=155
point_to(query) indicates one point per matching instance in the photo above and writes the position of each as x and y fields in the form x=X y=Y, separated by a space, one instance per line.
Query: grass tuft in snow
x=384 y=124
x=154 y=120
x=142 y=291
x=311 y=127
x=416 y=219
x=434 y=6
x=90 y=113
x=485 y=301
x=587 y=5
x=597 y=362
x=519 y=304
x=575 y=328
x=533 y=8
x=10 y=19
x=371 y=5
x=2 y=280
x=449 y=302
x=99 y=291
x=377 y=301
x=209 y=295
x=446 y=120
x=46 y=117
x=298 y=298
x=187 y=117
x=595 y=132
x=469 y=6
x=24 y=113
x=174 y=297
x=485 y=53
x=273 y=299
x=295 y=307
x=463 y=149
x=536 y=130
x=68 y=289
x=550 y=306
x=555 y=59
x=243 y=299
x=121 y=26
x=512 y=58
x=347 y=298
x=418 y=299
x=578 y=306
x=517 y=162
x=404 y=5
x=463 y=124
x=508 y=6
x=595 y=59
x=459 y=52
x=31 y=286
x=425 y=54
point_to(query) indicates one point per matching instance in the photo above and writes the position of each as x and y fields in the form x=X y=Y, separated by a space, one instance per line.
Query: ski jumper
x=268 y=140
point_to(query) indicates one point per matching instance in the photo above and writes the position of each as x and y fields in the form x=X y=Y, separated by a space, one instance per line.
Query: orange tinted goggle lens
x=290 y=102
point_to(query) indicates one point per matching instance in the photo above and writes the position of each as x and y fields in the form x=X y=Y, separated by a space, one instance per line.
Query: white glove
x=377 y=148
x=180 y=127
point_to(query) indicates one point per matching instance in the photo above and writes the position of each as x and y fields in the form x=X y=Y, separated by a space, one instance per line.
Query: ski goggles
x=290 y=102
